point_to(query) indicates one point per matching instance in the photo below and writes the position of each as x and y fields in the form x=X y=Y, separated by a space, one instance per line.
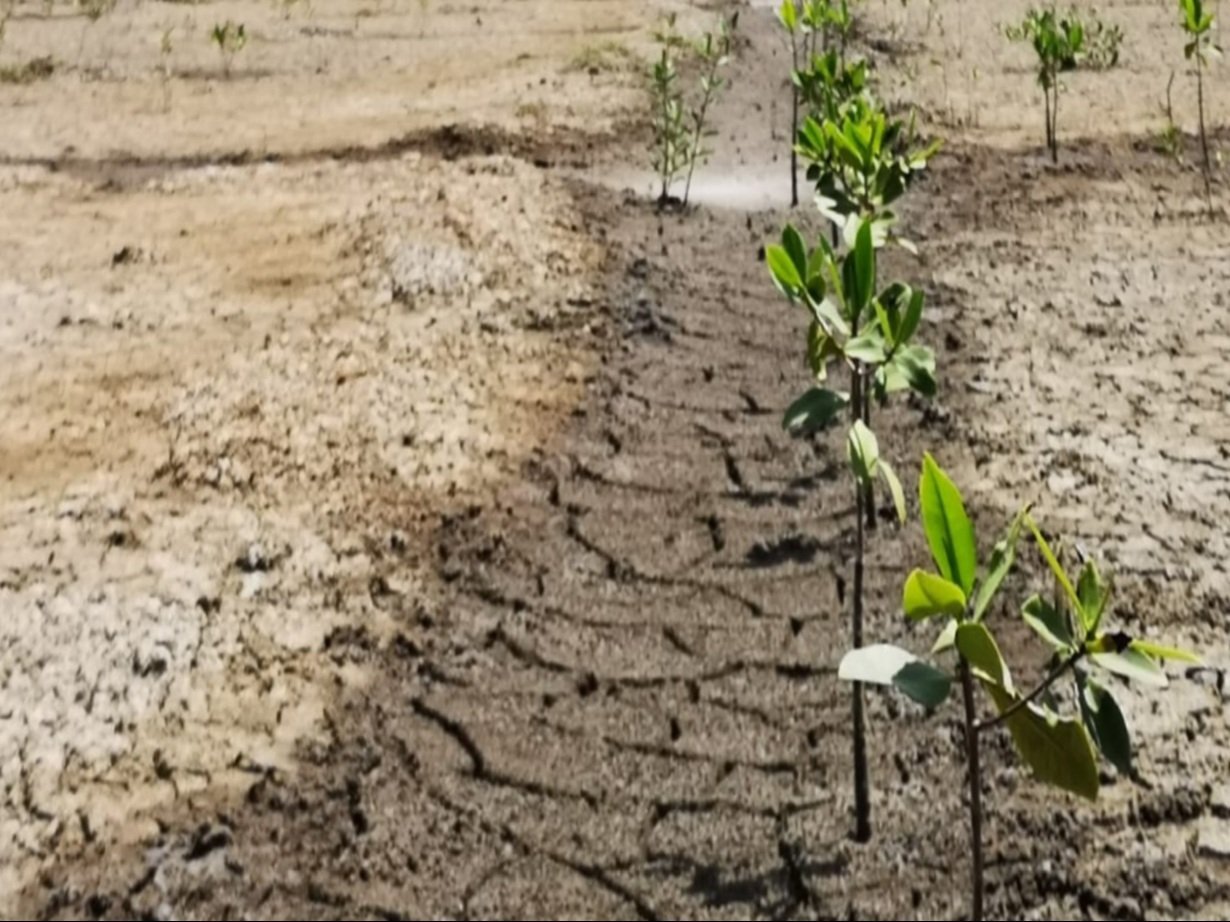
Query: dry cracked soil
x=395 y=516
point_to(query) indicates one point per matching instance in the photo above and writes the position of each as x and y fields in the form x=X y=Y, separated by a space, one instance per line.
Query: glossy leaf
x=1048 y=623
x=1093 y=596
x=947 y=638
x=1158 y=651
x=926 y=596
x=949 y=532
x=1002 y=557
x=1052 y=561
x=1106 y=724
x=978 y=647
x=1134 y=665
x=1057 y=750
x=867 y=348
x=785 y=276
x=923 y=683
x=876 y=664
x=863 y=450
x=815 y=410
x=894 y=488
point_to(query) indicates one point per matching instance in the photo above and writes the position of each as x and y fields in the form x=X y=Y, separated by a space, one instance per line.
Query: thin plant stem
x=862 y=784
x=1052 y=677
x=869 y=500
x=1204 y=143
x=974 y=766
x=794 y=122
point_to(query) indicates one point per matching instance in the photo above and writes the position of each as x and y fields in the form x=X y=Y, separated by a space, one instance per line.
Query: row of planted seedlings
x=861 y=333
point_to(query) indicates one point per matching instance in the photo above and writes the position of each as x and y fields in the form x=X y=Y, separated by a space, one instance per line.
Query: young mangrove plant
x=230 y=39
x=805 y=23
x=680 y=120
x=1199 y=48
x=852 y=321
x=1057 y=742
x=1061 y=43
x=861 y=162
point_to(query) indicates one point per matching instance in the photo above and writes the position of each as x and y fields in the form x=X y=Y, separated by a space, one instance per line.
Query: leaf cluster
x=1058 y=746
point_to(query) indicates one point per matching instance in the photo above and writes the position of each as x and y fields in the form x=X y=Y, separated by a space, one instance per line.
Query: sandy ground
x=395 y=522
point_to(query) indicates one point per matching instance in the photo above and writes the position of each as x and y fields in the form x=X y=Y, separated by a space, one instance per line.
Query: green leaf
x=1093 y=596
x=947 y=638
x=864 y=266
x=1107 y=725
x=894 y=488
x=1157 y=651
x=821 y=349
x=948 y=529
x=1049 y=556
x=923 y=683
x=1134 y=665
x=876 y=664
x=912 y=315
x=916 y=365
x=815 y=410
x=864 y=451
x=1048 y=623
x=788 y=15
x=792 y=243
x=926 y=595
x=785 y=276
x=867 y=348
x=975 y=643
x=1057 y=750
x=1002 y=557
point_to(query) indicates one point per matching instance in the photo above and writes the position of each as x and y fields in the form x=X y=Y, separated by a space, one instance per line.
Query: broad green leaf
x=1049 y=556
x=1107 y=726
x=949 y=532
x=1092 y=594
x=876 y=664
x=828 y=315
x=923 y=683
x=815 y=410
x=894 y=489
x=789 y=15
x=785 y=276
x=978 y=647
x=864 y=451
x=926 y=595
x=865 y=265
x=1158 y=651
x=918 y=374
x=821 y=349
x=947 y=638
x=792 y=243
x=912 y=314
x=1047 y=622
x=1134 y=665
x=1002 y=557
x=1057 y=750
x=867 y=348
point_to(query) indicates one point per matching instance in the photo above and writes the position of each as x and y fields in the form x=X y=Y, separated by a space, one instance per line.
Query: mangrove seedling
x=861 y=163
x=1062 y=43
x=230 y=39
x=680 y=124
x=1058 y=744
x=871 y=331
x=1199 y=48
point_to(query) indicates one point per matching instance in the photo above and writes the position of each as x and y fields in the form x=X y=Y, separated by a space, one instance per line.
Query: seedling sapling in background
x=230 y=39
x=1061 y=43
x=712 y=53
x=680 y=128
x=1059 y=748
x=871 y=332
x=1199 y=48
